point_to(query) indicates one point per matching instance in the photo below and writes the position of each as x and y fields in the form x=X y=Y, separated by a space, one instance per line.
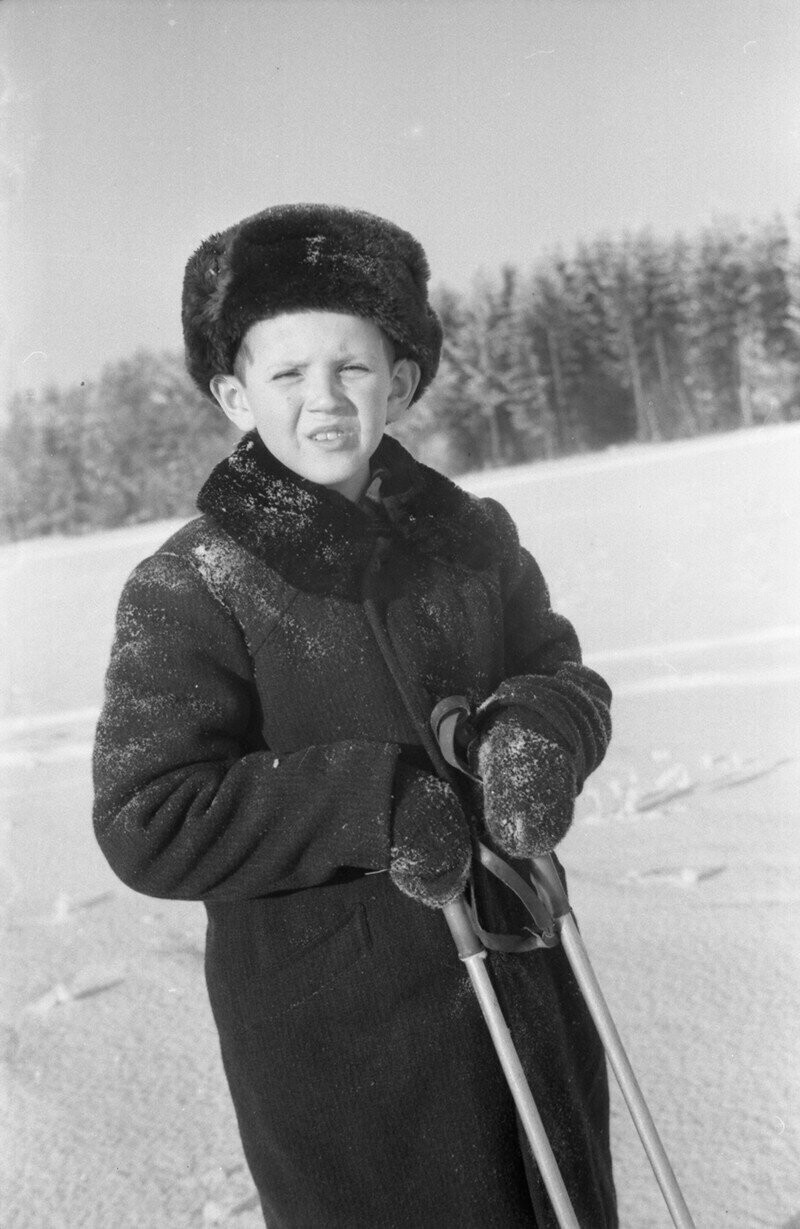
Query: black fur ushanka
x=246 y=757
x=306 y=257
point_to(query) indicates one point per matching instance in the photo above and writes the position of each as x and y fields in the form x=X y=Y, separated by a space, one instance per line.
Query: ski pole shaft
x=548 y=882
x=575 y=952
x=473 y=954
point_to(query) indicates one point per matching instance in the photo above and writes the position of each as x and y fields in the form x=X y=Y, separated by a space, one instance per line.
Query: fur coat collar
x=322 y=542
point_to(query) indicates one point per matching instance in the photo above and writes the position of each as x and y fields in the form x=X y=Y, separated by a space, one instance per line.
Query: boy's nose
x=322 y=392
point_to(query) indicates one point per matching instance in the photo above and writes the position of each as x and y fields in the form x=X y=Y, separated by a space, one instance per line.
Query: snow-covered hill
x=680 y=566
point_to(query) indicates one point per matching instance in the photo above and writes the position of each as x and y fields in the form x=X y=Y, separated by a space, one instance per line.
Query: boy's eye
x=355 y=367
x=289 y=373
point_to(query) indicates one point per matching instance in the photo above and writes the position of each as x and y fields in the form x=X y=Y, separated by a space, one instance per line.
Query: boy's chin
x=348 y=476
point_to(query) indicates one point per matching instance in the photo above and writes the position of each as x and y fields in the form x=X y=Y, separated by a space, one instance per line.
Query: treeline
x=633 y=339
x=133 y=446
x=639 y=339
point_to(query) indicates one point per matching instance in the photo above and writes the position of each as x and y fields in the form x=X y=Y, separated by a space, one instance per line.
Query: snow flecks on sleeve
x=184 y=807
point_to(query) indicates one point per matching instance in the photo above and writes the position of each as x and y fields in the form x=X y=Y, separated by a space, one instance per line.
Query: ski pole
x=472 y=952
x=470 y=949
x=548 y=882
x=450 y=721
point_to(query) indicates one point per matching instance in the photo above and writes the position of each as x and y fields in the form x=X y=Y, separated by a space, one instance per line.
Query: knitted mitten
x=431 y=847
x=528 y=786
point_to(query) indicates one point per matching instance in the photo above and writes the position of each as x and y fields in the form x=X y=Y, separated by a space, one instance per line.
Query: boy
x=261 y=749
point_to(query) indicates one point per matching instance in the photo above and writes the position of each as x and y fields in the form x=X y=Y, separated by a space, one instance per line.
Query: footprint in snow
x=65 y=907
x=87 y=982
x=683 y=876
x=725 y=772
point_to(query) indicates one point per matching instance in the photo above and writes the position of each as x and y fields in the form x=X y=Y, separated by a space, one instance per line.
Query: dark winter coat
x=246 y=756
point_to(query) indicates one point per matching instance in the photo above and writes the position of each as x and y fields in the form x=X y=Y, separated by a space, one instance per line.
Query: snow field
x=680 y=567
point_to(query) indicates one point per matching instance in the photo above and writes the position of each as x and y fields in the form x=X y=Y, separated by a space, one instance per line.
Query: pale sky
x=492 y=129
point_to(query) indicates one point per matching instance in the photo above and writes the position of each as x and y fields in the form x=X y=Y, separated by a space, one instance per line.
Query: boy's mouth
x=331 y=435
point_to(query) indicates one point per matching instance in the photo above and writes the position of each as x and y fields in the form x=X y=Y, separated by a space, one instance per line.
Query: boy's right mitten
x=528 y=785
x=431 y=845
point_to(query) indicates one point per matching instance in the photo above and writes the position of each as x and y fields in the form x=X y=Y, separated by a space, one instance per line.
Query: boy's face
x=319 y=387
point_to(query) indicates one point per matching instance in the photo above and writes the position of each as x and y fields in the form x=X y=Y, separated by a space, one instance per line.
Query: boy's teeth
x=327 y=435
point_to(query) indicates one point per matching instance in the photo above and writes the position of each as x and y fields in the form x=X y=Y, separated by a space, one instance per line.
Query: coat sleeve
x=567 y=701
x=184 y=808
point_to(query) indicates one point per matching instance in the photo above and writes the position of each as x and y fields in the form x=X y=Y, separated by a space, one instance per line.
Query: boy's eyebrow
x=279 y=363
x=362 y=353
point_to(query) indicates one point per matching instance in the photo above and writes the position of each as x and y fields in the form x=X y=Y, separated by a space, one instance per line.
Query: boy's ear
x=405 y=378
x=229 y=392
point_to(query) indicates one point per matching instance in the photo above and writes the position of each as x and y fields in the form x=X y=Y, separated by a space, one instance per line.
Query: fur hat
x=306 y=257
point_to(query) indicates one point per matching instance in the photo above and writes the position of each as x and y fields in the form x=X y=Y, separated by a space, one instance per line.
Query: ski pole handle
x=451 y=723
x=547 y=881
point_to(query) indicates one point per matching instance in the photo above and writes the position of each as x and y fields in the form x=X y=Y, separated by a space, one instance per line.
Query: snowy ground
x=680 y=567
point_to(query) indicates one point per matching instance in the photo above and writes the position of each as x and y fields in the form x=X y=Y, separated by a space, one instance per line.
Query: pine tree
x=521 y=426
x=446 y=427
x=721 y=328
x=772 y=358
x=489 y=388
x=665 y=307
x=611 y=345
x=551 y=324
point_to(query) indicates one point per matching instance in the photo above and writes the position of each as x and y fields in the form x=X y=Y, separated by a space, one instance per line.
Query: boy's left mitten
x=431 y=844
x=529 y=785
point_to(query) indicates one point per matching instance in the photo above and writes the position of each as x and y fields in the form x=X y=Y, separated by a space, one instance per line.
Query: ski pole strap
x=543 y=932
x=451 y=723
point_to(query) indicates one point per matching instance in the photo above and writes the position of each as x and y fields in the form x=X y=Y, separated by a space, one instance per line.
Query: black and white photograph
x=400 y=609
